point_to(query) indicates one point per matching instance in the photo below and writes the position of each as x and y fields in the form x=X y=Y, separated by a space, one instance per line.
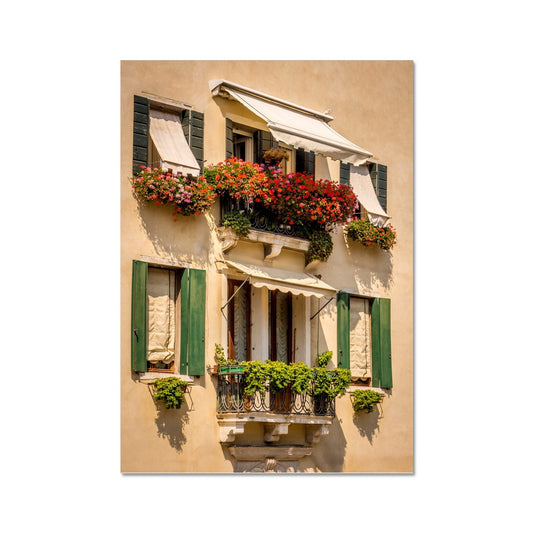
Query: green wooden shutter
x=192 y=324
x=344 y=175
x=229 y=138
x=305 y=161
x=193 y=128
x=378 y=174
x=381 y=343
x=141 y=124
x=263 y=141
x=343 y=330
x=139 y=316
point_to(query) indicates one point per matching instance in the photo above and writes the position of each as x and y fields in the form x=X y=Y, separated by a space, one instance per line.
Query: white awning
x=293 y=124
x=366 y=195
x=168 y=137
x=284 y=280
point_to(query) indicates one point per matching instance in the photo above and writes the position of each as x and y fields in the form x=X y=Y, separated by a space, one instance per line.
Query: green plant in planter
x=301 y=376
x=366 y=233
x=332 y=383
x=365 y=400
x=320 y=246
x=238 y=222
x=170 y=390
x=279 y=375
x=323 y=359
x=256 y=376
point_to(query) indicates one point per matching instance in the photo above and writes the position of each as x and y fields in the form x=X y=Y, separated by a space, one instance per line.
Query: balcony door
x=280 y=346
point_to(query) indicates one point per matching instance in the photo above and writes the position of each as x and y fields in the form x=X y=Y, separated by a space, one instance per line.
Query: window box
x=229 y=369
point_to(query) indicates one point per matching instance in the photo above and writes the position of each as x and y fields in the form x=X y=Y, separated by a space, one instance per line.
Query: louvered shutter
x=193 y=128
x=381 y=343
x=378 y=174
x=139 y=317
x=344 y=174
x=141 y=124
x=343 y=330
x=229 y=138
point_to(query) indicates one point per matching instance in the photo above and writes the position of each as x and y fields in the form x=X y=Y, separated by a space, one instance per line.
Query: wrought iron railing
x=232 y=399
x=259 y=220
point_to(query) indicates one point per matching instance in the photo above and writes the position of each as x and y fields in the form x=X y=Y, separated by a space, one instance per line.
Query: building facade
x=189 y=283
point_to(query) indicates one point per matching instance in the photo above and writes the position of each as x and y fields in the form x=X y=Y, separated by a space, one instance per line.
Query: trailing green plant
x=323 y=359
x=332 y=383
x=238 y=222
x=320 y=246
x=365 y=400
x=340 y=380
x=366 y=233
x=170 y=390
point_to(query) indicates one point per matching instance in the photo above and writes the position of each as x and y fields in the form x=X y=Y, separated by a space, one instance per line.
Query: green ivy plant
x=365 y=400
x=238 y=222
x=171 y=391
x=279 y=375
x=256 y=376
x=320 y=246
x=366 y=233
x=301 y=376
x=220 y=356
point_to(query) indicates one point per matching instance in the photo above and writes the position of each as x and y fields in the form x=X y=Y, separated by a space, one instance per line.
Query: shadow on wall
x=372 y=266
x=170 y=423
x=368 y=423
x=328 y=458
x=188 y=239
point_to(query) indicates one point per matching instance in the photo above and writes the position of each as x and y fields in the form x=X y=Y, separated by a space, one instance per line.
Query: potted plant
x=365 y=400
x=226 y=366
x=280 y=379
x=256 y=377
x=170 y=390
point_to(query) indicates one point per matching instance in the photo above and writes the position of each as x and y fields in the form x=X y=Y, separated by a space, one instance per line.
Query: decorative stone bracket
x=232 y=424
x=273 y=243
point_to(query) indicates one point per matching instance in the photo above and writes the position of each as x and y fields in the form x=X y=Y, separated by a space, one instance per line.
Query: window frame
x=246 y=286
x=272 y=337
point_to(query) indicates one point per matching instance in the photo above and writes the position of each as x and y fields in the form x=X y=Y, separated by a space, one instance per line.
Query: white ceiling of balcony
x=293 y=124
x=284 y=280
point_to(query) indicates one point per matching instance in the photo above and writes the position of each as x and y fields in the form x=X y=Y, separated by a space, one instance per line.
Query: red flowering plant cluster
x=187 y=194
x=367 y=234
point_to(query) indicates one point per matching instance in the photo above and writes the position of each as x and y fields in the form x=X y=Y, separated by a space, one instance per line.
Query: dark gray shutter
x=141 y=125
x=344 y=176
x=229 y=138
x=305 y=161
x=193 y=128
x=263 y=141
x=378 y=173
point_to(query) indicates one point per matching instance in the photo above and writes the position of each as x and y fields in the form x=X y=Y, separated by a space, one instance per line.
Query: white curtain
x=360 y=347
x=366 y=195
x=161 y=289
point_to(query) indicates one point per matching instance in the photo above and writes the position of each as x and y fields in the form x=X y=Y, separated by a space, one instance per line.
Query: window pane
x=282 y=327
x=240 y=325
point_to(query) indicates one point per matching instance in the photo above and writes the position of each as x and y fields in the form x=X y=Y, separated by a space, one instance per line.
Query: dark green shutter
x=139 y=316
x=305 y=161
x=263 y=141
x=381 y=344
x=193 y=128
x=378 y=174
x=344 y=175
x=192 y=327
x=229 y=138
x=343 y=330
x=141 y=124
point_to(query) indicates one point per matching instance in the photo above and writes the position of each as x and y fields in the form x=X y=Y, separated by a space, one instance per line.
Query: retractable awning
x=284 y=280
x=168 y=137
x=366 y=195
x=292 y=124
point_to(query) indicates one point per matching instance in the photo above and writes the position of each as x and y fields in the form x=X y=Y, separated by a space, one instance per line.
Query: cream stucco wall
x=372 y=102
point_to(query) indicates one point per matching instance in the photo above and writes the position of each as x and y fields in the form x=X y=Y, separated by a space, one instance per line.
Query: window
x=239 y=316
x=162 y=291
x=167 y=135
x=364 y=338
x=280 y=346
x=378 y=174
x=168 y=318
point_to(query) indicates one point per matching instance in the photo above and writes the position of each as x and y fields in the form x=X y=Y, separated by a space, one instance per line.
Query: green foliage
x=323 y=359
x=365 y=400
x=279 y=375
x=301 y=376
x=256 y=376
x=238 y=222
x=220 y=356
x=366 y=233
x=170 y=390
x=320 y=246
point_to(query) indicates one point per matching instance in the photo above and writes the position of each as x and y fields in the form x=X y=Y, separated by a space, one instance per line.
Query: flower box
x=230 y=369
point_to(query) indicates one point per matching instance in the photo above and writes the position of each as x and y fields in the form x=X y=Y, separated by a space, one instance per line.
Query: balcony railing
x=259 y=220
x=231 y=399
